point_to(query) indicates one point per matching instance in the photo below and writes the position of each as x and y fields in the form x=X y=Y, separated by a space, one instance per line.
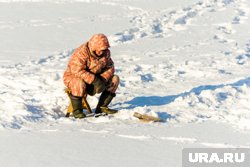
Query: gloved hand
x=99 y=85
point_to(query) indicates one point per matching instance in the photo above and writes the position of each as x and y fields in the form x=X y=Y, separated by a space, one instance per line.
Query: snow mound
x=223 y=103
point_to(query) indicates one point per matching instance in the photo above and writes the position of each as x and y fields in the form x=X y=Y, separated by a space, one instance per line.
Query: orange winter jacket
x=85 y=65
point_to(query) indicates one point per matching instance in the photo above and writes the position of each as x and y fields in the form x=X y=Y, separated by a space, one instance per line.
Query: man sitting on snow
x=90 y=71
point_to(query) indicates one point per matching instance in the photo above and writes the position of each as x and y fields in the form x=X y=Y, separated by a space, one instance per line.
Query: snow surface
x=186 y=61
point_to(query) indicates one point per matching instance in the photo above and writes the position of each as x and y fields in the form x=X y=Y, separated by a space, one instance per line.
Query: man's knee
x=113 y=84
x=77 y=87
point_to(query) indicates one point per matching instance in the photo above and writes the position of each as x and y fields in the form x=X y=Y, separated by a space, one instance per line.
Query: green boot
x=77 y=106
x=104 y=101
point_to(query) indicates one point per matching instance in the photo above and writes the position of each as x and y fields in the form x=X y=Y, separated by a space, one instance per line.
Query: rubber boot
x=105 y=99
x=77 y=106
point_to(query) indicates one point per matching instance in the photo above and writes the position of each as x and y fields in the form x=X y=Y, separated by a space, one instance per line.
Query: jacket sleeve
x=78 y=68
x=109 y=70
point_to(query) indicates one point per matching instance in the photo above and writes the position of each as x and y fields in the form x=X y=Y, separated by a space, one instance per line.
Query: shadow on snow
x=163 y=100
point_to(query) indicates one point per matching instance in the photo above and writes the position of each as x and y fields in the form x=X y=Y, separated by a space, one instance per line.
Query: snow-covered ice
x=186 y=61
